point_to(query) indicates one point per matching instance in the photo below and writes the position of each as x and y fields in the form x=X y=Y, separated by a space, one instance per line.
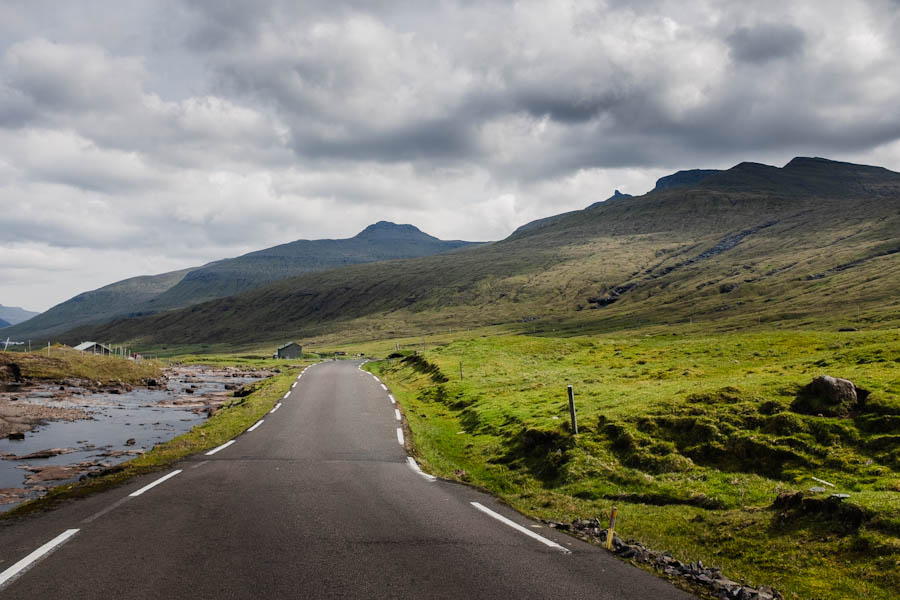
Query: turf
x=692 y=437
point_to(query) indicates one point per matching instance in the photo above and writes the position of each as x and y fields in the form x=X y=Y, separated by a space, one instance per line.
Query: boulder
x=828 y=396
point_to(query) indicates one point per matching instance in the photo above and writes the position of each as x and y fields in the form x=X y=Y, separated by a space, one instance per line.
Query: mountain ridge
x=751 y=240
x=149 y=294
x=14 y=314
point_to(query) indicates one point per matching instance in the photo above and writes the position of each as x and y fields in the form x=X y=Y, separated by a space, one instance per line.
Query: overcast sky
x=138 y=137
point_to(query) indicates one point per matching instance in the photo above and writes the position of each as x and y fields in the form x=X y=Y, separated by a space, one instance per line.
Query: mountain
x=539 y=223
x=381 y=241
x=4 y=323
x=117 y=299
x=141 y=296
x=13 y=314
x=683 y=178
x=812 y=240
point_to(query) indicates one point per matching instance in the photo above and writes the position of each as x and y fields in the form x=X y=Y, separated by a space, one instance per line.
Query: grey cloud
x=766 y=42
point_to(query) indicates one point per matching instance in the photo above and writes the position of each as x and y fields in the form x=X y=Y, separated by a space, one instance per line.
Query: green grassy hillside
x=815 y=240
x=151 y=294
x=117 y=299
x=691 y=436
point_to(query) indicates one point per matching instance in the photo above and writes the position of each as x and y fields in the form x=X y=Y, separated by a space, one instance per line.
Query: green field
x=692 y=437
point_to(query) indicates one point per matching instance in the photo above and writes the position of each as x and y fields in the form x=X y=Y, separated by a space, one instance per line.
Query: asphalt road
x=318 y=501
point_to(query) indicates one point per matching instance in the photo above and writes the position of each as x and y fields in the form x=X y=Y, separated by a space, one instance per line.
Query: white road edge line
x=29 y=561
x=159 y=481
x=277 y=406
x=400 y=435
x=391 y=396
x=222 y=447
x=286 y=395
x=519 y=528
x=384 y=387
x=258 y=423
x=397 y=414
x=293 y=385
x=415 y=467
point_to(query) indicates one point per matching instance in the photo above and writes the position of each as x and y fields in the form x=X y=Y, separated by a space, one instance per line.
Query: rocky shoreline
x=115 y=422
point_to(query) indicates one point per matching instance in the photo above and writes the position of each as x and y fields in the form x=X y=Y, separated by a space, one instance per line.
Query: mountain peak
x=388 y=230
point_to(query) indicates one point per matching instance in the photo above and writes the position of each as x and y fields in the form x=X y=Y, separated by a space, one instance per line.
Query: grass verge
x=62 y=362
x=691 y=437
x=228 y=422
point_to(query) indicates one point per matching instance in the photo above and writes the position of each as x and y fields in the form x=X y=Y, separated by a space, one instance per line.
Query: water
x=148 y=416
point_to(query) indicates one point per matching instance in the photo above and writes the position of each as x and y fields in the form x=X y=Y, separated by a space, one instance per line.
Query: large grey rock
x=827 y=396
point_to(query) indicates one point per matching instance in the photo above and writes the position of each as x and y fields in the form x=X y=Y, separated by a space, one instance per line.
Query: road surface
x=319 y=500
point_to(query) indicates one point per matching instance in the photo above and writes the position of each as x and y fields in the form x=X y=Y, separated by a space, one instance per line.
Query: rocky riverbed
x=56 y=432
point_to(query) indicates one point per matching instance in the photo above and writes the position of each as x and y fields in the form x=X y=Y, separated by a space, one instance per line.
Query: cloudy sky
x=138 y=137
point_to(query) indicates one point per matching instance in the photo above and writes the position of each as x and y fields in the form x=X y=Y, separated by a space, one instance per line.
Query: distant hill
x=123 y=298
x=381 y=241
x=813 y=240
x=4 y=323
x=14 y=314
x=141 y=296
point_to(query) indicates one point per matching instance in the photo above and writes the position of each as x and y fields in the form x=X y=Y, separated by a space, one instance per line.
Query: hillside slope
x=378 y=242
x=813 y=239
x=14 y=315
x=141 y=296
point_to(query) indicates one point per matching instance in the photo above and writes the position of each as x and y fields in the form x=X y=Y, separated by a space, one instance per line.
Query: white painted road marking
x=277 y=406
x=258 y=423
x=286 y=395
x=27 y=562
x=412 y=465
x=293 y=385
x=391 y=396
x=222 y=447
x=519 y=528
x=109 y=508
x=165 y=477
x=400 y=435
x=384 y=387
x=397 y=414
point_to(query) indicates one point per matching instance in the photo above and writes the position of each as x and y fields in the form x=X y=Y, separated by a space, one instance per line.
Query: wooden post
x=572 y=410
x=611 y=532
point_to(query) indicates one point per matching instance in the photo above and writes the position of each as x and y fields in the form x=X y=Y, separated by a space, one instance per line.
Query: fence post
x=572 y=410
x=611 y=532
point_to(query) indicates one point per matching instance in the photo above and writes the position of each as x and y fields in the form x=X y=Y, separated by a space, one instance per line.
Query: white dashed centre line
x=400 y=435
x=222 y=447
x=397 y=414
x=519 y=528
x=258 y=423
x=29 y=561
x=169 y=476
x=277 y=406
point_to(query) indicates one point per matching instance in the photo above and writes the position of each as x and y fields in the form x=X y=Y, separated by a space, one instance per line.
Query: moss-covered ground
x=691 y=437
x=62 y=362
